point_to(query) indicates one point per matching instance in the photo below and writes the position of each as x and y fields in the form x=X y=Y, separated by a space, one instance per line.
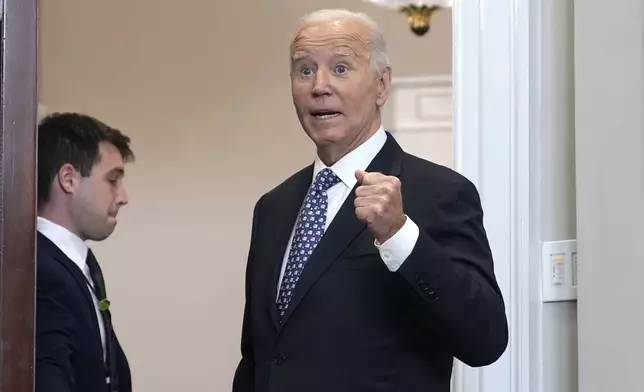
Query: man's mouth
x=325 y=114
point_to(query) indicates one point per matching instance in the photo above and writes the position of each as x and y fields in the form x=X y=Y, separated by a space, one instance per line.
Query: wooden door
x=18 y=98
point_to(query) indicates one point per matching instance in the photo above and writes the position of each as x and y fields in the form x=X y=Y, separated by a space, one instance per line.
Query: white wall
x=555 y=181
x=609 y=105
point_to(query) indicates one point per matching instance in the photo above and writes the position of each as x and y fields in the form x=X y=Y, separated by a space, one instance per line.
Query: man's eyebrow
x=299 y=55
x=119 y=171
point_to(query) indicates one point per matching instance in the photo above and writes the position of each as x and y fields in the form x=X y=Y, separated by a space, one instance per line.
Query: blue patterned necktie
x=309 y=230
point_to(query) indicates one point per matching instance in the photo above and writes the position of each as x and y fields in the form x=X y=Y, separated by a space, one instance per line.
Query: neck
x=61 y=218
x=332 y=153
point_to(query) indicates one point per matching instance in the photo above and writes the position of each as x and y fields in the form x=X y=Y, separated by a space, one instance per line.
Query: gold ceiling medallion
x=419 y=13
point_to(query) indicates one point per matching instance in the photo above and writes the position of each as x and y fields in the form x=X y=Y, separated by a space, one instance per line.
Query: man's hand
x=379 y=204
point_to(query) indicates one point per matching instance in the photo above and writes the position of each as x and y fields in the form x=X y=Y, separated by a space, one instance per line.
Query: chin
x=100 y=235
x=329 y=135
x=97 y=237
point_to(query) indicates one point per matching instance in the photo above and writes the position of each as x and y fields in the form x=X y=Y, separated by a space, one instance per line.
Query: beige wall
x=204 y=94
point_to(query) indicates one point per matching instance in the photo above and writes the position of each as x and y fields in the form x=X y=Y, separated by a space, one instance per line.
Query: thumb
x=360 y=175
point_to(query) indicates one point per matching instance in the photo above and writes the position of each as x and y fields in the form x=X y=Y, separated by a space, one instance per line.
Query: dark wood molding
x=18 y=99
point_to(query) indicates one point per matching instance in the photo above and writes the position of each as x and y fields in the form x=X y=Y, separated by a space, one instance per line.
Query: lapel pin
x=104 y=305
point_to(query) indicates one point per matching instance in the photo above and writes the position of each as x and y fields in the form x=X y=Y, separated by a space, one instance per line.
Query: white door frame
x=494 y=78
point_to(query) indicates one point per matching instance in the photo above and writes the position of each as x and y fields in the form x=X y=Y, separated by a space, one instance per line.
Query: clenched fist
x=379 y=204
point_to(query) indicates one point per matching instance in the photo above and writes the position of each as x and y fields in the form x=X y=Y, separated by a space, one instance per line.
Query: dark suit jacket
x=353 y=325
x=69 y=355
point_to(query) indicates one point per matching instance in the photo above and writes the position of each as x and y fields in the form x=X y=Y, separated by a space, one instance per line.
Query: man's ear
x=384 y=85
x=67 y=178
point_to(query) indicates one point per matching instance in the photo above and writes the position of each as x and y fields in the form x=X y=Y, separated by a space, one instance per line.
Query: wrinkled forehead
x=344 y=37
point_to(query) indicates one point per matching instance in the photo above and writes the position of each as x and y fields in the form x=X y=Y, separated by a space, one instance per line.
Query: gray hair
x=379 y=55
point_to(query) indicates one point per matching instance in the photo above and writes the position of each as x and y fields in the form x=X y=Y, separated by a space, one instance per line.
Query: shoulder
x=437 y=181
x=50 y=273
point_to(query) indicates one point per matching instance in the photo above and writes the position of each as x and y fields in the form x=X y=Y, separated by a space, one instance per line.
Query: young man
x=81 y=165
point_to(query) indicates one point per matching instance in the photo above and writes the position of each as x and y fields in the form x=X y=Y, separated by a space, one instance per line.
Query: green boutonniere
x=104 y=305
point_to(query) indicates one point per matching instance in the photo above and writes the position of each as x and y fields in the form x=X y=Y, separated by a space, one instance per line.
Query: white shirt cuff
x=395 y=250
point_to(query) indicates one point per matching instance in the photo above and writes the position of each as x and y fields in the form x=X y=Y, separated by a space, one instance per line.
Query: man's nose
x=122 y=197
x=321 y=86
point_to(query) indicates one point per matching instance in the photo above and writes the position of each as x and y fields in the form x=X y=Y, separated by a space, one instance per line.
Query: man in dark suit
x=81 y=164
x=369 y=270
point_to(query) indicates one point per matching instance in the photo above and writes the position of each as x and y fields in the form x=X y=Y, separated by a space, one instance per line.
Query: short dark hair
x=73 y=138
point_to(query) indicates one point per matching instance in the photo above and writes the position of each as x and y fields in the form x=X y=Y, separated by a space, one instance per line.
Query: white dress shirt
x=76 y=249
x=393 y=251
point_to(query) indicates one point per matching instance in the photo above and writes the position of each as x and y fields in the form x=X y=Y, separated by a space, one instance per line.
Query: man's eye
x=341 y=69
x=306 y=71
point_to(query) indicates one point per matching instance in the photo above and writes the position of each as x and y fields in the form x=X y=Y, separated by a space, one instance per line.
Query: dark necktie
x=309 y=230
x=110 y=342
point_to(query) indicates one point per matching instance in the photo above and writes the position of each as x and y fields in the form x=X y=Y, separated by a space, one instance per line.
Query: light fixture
x=419 y=13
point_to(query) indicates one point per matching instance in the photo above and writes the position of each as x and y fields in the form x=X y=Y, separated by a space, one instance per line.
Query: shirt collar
x=358 y=159
x=69 y=243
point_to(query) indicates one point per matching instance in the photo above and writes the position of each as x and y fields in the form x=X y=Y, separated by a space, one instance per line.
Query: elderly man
x=370 y=269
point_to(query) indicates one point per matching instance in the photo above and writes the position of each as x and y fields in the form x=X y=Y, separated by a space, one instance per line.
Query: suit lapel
x=286 y=215
x=344 y=228
x=45 y=245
